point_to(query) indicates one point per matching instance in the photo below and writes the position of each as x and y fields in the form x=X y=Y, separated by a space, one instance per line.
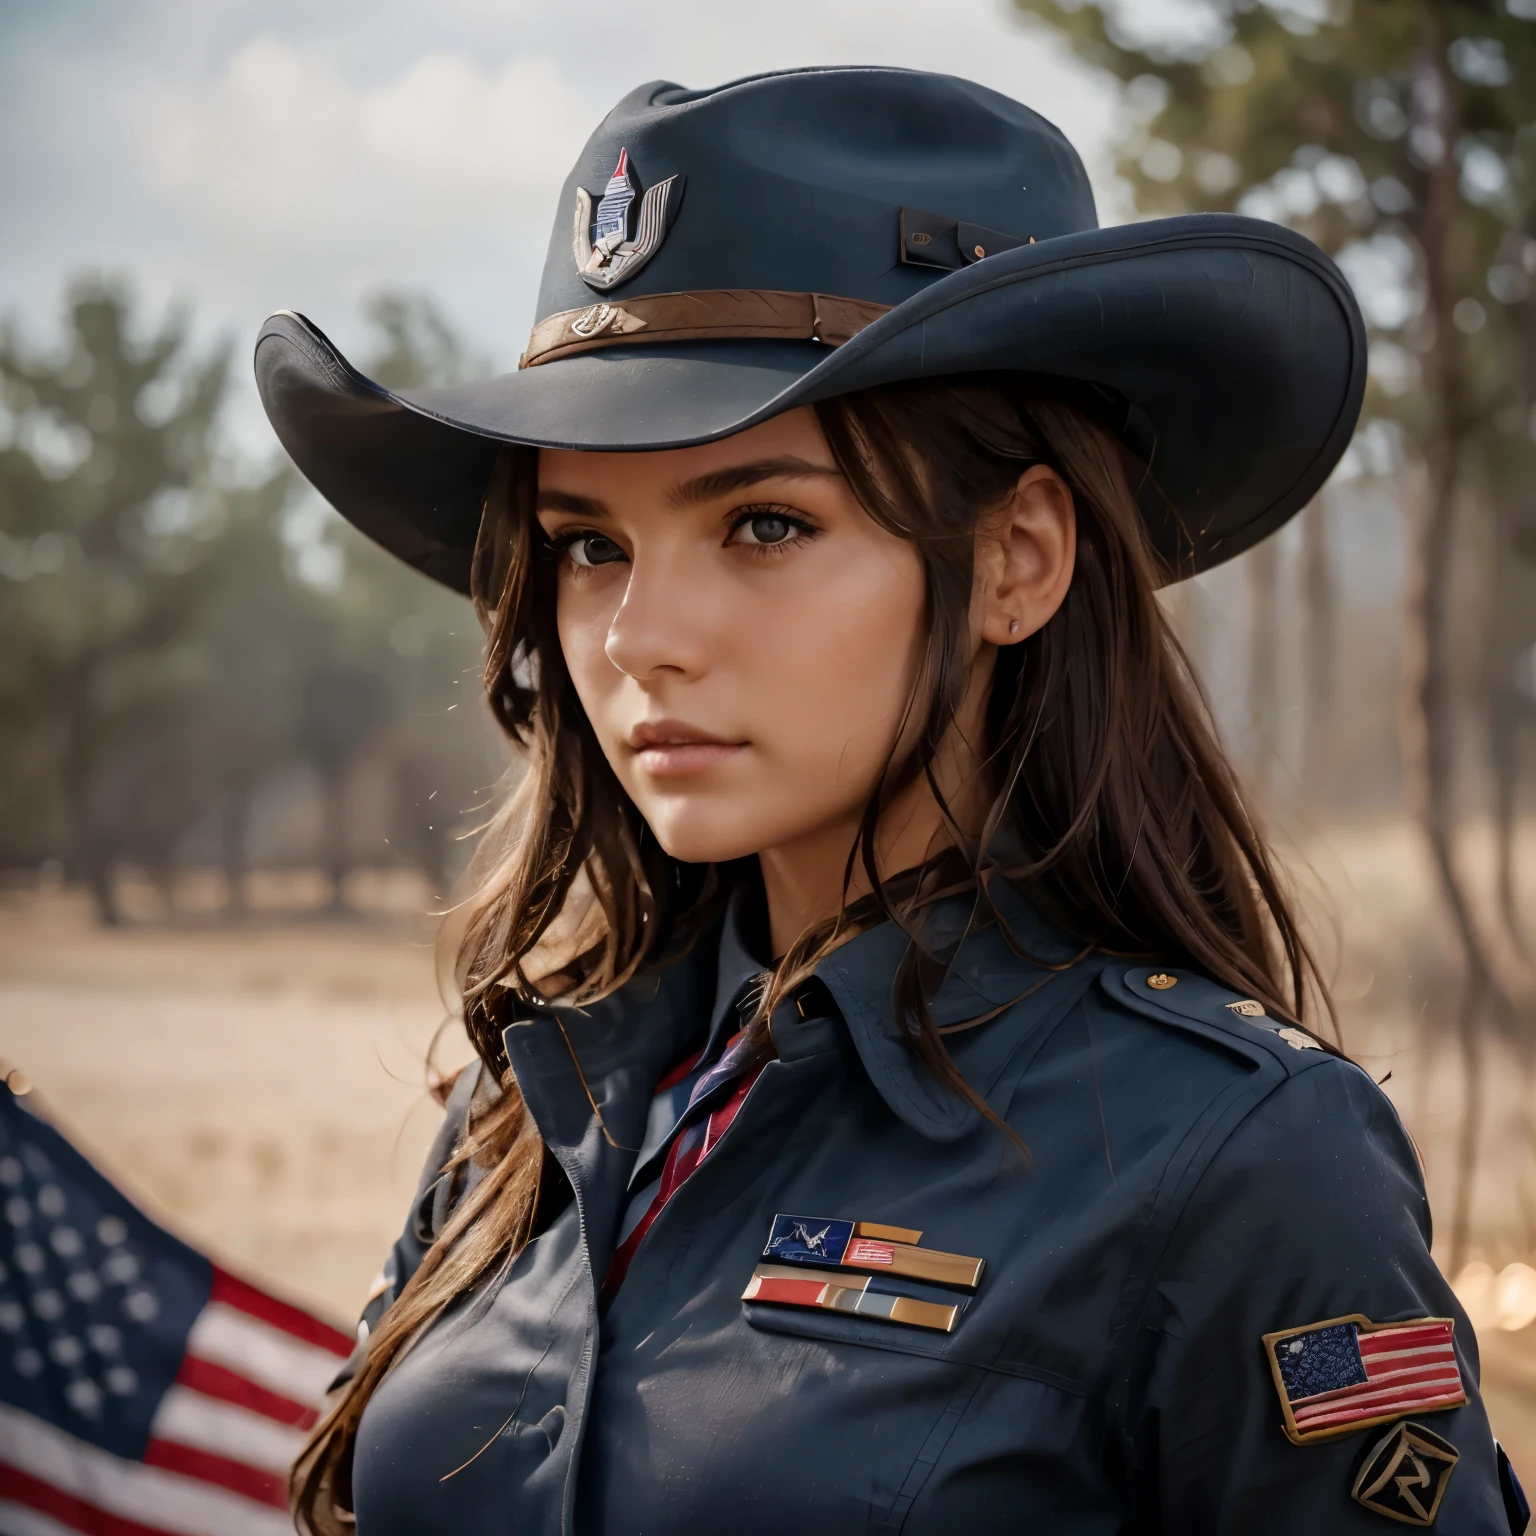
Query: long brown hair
x=1114 y=810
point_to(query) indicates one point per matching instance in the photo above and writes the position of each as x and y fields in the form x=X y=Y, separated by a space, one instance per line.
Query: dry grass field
x=262 y=1087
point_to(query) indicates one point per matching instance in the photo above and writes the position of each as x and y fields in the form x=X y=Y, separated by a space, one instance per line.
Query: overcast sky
x=252 y=155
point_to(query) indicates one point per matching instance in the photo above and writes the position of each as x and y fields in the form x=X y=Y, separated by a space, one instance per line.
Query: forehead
x=795 y=434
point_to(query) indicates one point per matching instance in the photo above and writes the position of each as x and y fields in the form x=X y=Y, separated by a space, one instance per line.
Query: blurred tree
x=340 y=709
x=175 y=630
x=1264 y=658
x=1320 y=647
x=423 y=643
x=254 y=630
x=397 y=647
x=1398 y=135
x=105 y=518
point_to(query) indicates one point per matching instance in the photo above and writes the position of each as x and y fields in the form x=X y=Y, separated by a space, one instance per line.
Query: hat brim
x=1234 y=349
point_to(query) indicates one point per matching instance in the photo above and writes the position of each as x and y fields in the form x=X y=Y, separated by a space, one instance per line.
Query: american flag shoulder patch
x=1348 y=1373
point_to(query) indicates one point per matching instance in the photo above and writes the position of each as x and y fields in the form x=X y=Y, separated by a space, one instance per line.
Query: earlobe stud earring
x=1013 y=626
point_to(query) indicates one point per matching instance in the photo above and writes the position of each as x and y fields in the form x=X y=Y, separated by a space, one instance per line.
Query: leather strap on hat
x=716 y=314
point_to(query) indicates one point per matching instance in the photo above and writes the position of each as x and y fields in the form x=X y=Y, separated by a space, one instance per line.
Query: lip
x=671 y=748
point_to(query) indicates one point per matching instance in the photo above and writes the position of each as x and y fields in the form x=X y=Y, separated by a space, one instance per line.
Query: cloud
x=279 y=136
x=253 y=155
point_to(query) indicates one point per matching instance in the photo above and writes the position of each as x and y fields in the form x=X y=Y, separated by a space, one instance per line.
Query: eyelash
x=804 y=531
x=559 y=544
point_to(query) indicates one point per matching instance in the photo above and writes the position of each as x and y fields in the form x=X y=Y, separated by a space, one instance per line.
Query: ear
x=1025 y=558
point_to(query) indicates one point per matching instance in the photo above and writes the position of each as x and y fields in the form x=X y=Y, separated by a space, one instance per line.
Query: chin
x=702 y=831
x=697 y=840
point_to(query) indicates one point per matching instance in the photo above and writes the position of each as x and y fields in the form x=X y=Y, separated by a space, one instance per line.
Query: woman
x=897 y=1104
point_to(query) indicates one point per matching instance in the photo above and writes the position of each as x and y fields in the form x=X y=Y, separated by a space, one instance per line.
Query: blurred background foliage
x=204 y=672
x=1400 y=135
x=199 y=664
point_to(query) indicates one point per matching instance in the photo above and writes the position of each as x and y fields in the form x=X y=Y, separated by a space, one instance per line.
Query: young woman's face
x=743 y=636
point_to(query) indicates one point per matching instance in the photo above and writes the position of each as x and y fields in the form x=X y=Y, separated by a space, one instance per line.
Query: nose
x=659 y=629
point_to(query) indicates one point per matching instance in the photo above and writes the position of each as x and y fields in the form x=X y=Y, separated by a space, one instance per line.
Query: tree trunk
x=1264 y=660
x=93 y=851
x=234 y=827
x=1470 y=1038
x=1320 y=646
x=1429 y=606
x=1504 y=745
x=335 y=835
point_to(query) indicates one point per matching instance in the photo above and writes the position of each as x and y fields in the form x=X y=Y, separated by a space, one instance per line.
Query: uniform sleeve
x=1312 y=1210
x=429 y=1212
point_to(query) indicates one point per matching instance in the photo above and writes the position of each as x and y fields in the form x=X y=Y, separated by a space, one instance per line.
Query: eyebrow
x=568 y=501
x=719 y=482
x=739 y=477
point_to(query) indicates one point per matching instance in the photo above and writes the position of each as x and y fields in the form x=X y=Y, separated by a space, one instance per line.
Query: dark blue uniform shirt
x=1195 y=1180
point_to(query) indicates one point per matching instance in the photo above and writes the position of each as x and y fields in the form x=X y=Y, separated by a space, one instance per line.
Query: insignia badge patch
x=1348 y=1373
x=614 y=242
x=1405 y=1474
x=832 y=1243
x=865 y=1295
x=1298 y=1039
x=891 y=1256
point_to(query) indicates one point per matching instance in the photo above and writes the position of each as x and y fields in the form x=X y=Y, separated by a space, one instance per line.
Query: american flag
x=1340 y=1375
x=143 y=1390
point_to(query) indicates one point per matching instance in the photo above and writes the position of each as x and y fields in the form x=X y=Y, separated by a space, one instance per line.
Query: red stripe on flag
x=32 y=1493
x=1390 y=1405
x=1429 y=1387
x=1409 y=1360
x=1384 y=1341
x=1433 y=1380
x=254 y=1483
x=230 y=1387
x=279 y=1314
x=803 y=1293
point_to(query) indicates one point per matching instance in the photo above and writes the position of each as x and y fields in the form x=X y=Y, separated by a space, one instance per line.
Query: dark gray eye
x=765 y=528
x=593 y=549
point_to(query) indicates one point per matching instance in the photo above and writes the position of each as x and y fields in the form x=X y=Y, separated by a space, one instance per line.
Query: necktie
x=712 y=1105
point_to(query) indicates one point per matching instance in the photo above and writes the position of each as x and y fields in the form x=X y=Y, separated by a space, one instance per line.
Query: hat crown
x=796 y=181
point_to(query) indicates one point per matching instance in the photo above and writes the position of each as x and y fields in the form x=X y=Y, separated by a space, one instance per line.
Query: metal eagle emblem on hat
x=613 y=243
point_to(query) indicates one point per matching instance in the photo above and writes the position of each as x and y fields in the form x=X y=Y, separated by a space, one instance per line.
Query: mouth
x=673 y=748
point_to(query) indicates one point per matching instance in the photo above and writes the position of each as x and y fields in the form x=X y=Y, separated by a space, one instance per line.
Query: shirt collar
x=735 y=968
x=655 y=1018
x=985 y=974
x=626 y=1042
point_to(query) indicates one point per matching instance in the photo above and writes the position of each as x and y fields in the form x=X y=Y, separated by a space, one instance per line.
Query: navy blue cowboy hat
x=721 y=256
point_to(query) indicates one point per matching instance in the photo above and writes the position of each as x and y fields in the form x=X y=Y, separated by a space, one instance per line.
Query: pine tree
x=1398 y=135
x=105 y=517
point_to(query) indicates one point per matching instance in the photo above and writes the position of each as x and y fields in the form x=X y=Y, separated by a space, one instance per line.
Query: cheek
x=844 y=672
x=583 y=615
x=826 y=681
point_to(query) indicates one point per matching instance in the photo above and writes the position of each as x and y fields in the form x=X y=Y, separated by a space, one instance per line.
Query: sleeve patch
x=1348 y=1373
x=1404 y=1475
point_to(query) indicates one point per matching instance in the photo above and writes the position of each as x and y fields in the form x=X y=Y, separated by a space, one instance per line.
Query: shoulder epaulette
x=1187 y=998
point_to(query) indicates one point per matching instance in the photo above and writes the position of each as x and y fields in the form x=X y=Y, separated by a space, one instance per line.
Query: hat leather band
x=717 y=314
